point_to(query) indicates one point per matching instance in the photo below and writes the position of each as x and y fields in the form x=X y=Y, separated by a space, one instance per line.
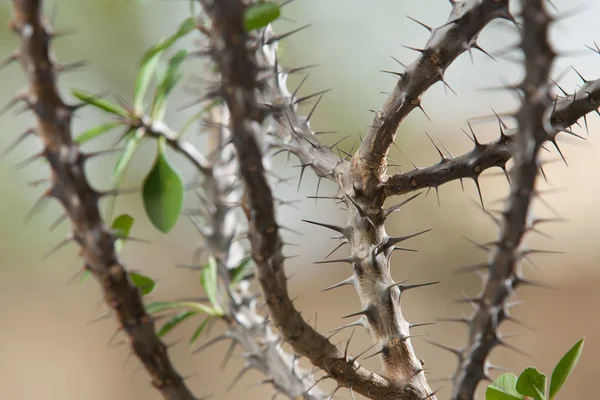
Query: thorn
x=359 y=313
x=228 y=354
x=414 y=49
x=452 y=350
x=210 y=343
x=312 y=110
x=339 y=229
x=349 y=260
x=476 y=180
x=391 y=241
x=461 y=320
x=277 y=38
x=295 y=92
x=391 y=209
x=36 y=206
x=30 y=160
x=59 y=246
x=337 y=247
x=237 y=378
x=16 y=142
x=580 y=76
x=420 y=23
x=443 y=158
x=348 y=281
x=302 y=168
x=383 y=349
x=399 y=62
x=398 y=74
x=421 y=324
x=358 y=322
x=407 y=287
x=310 y=96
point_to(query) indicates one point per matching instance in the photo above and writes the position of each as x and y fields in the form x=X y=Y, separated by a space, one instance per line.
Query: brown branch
x=566 y=112
x=446 y=43
x=238 y=67
x=72 y=189
x=504 y=275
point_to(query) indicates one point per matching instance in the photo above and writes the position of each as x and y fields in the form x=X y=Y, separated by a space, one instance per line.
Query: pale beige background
x=48 y=348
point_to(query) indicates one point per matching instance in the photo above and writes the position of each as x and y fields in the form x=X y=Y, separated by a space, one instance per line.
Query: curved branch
x=72 y=189
x=504 y=275
x=566 y=112
x=446 y=43
x=238 y=70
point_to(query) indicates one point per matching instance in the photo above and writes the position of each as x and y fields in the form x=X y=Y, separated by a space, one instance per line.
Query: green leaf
x=142 y=282
x=150 y=61
x=199 y=330
x=142 y=82
x=564 y=367
x=208 y=280
x=159 y=306
x=503 y=388
x=168 y=81
x=94 y=100
x=96 y=131
x=532 y=383
x=260 y=14
x=239 y=272
x=84 y=276
x=162 y=193
x=188 y=25
x=176 y=320
x=125 y=159
x=121 y=227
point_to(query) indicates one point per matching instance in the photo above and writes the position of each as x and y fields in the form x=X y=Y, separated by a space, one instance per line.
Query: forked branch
x=565 y=113
x=231 y=52
x=447 y=42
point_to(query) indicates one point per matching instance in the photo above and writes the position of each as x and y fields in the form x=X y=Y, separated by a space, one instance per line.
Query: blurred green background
x=48 y=347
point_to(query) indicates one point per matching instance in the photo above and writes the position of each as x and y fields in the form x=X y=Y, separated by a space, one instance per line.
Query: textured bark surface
x=69 y=185
x=259 y=117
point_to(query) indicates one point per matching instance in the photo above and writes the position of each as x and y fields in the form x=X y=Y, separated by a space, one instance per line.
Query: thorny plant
x=250 y=115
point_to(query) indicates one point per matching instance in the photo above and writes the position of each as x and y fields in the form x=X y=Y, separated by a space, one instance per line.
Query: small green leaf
x=564 y=367
x=162 y=193
x=97 y=102
x=121 y=227
x=159 y=306
x=124 y=160
x=503 y=388
x=260 y=14
x=532 y=383
x=84 y=276
x=142 y=282
x=239 y=272
x=199 y=330
x=142 y=82
x=188 y=25
x=168 y=81
x=176 y=320
x=208 y=280
x=150 y=61
x=96 y=131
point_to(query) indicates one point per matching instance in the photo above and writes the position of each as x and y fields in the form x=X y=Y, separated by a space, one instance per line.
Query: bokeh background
x=50 y=349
